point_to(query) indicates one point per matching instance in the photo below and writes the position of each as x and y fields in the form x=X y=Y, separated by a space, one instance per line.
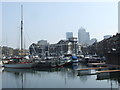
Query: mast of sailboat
x=21 y=31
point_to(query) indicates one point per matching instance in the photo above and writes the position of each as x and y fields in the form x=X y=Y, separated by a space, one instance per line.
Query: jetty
x=93 y=68
x=107 y=71
x=89 y=71
x=96 y=64
x=100 y=68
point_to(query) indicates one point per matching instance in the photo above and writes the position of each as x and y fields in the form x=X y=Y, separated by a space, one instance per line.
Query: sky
x=51 y=20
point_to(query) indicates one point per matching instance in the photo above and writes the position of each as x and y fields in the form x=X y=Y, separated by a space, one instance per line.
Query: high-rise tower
x=83 y=36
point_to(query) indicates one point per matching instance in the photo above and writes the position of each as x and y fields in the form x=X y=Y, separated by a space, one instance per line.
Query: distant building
x=110 y=48
x=69 y=35
x=83 y=36
x=58 y=49
x=87 y=37
x=42 y=42
x=92 y=41
x=107 y=36
x=106 y=46
x=7 y=51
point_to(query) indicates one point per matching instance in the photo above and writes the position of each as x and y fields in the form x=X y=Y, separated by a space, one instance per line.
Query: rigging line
x=28 y=37
x=30 y=42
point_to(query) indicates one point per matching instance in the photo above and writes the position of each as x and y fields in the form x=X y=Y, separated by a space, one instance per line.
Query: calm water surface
x=66 y=77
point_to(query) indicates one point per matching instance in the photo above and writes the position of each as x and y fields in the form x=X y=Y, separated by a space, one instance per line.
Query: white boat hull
x=19 y=66
x=75 y=61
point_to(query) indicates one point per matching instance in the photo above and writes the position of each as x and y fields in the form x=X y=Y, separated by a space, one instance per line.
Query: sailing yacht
x=20 y=62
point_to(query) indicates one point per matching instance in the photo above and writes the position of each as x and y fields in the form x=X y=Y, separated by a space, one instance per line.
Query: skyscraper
x=69 y=35
x=83 y=36
x=87 y=37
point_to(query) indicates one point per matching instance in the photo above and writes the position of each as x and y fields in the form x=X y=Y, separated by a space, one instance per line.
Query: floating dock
x=89 y=71
x=96 y=64
x=93 y=68
x=107 y=71
x=103 y=67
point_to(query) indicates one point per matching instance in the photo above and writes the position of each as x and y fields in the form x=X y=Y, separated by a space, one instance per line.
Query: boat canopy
x=74 y=57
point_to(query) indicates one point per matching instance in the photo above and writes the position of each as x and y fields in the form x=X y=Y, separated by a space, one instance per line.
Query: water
x=55 y=78
x=0 y=78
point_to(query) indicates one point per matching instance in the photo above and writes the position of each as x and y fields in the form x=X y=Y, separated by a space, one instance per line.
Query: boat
x=45 y=64
x=94 y=59
x=19 y=65
x=50 y=63
x=80 y=57
x=20 y=62
x=60 y=63
x=6 y=59
x=67 y=59
x=74 y=59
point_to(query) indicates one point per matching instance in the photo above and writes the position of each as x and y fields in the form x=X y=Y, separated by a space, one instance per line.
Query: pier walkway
x=96 y=64
x=103 y=68
x=106 y=71
x=92 y=68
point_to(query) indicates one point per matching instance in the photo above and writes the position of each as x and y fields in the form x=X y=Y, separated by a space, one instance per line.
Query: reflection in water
x=112 y=77
x=56 y=78
x=0 y=78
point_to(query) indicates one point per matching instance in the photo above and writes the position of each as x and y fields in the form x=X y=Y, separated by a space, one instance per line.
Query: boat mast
x=21 y=31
